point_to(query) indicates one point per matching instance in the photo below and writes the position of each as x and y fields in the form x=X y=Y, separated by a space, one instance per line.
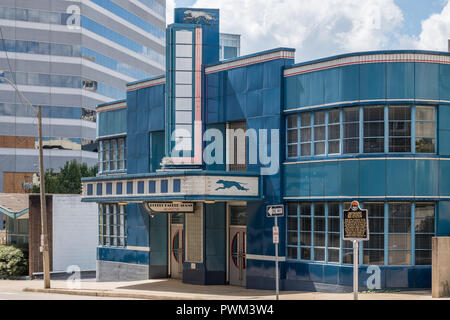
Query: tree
x=68 y=180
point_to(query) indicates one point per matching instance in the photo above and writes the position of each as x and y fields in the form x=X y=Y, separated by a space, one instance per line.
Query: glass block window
x=424 y=232
x=292 y=136
x=425 y=129
x=351 y=130
x=374 y=248
x=292 y=230
x=305 y=231
x=399 y=234
x=334 y=232
x=112 y=155
x=319 y=232
x=305 y=134
x=319 y=133
x=399 y=129
x=374 y=129
x=112 y=225
x=334 y=132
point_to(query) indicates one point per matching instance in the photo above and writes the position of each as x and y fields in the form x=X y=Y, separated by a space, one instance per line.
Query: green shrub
x=12 y=262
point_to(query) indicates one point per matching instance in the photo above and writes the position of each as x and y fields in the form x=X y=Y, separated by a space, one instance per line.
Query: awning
x=173 y=186
x=14 y=205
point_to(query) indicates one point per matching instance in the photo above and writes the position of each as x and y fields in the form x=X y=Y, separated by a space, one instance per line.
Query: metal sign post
x=277 y=275
x=356 y=229
x=275 y=212
x=355 y=268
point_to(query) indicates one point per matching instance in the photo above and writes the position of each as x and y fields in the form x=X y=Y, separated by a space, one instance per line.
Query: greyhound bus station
x=189 y=162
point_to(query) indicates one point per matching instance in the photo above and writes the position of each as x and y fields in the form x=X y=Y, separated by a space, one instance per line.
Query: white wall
x=75 y=237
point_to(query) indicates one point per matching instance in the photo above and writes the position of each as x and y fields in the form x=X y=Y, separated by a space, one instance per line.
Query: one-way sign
x=275 y=211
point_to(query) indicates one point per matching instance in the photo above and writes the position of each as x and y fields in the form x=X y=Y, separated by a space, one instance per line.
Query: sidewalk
x=169 y=289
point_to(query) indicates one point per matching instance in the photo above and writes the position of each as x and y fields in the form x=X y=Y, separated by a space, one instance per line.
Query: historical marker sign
x=356 y=223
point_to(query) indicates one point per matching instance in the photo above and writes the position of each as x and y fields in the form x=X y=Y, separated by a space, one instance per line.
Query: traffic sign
x=276 y=235
x=275 y=211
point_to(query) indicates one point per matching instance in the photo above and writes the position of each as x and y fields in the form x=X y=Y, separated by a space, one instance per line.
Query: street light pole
x=44 y=226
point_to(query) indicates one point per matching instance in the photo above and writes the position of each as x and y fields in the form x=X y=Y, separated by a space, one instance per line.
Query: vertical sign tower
x=192 y=43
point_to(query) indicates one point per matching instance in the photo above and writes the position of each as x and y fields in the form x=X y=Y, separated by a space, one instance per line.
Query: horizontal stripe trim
x=85 y=32
x=250 y=61
x=58 y=90
x=48 y=153
x=382 y=101
x=110 y=15
x=367 y=197
x=49 y=121
x=138 y=4
x=116 y=135
x=146 y=85
x=365 y=159
x=133 y=248
x=369 y=59
x=67 y=60
x=122 y=49
x=111 y=108
x=264 y=258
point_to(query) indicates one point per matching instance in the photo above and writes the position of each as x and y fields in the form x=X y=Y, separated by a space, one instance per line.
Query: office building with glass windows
x=372 y=127
x=69 y=56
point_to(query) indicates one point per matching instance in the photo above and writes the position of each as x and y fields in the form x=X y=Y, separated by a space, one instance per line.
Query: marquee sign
x=169 y=207
x=356 y=223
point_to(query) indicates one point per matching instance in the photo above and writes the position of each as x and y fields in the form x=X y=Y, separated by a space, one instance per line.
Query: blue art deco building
x=371 y=126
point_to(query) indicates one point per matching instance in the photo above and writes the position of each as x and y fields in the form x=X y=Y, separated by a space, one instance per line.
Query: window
x=351 y=130
x=399 y=233
x=319 y=232
x=292 y=136
x=305 y=134
x=374 y=129
x=373 y=253
x=425 y=129
x=112 y=155
x=424 y=232
x=399 y=129
x=357 y=130
x=319 y=133
x=334 y=232
x=305 y=231
x=112 y=225
x=293 y=231
x=334 y=132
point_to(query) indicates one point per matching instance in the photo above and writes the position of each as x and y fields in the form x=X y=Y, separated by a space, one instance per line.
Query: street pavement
x=170 y=289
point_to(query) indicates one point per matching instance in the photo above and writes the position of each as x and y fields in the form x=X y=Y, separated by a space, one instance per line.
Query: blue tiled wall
x=112 y=122
x=368 y=177
x=377 y=81
x=145 y=114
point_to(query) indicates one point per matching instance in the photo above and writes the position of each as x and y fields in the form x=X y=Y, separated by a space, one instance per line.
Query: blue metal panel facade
x=268 y=94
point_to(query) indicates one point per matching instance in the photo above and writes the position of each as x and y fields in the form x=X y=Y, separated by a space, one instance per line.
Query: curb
x=106 y=294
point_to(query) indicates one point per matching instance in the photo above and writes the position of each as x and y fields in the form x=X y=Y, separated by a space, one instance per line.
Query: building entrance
x=238 y=245
x=176 y=246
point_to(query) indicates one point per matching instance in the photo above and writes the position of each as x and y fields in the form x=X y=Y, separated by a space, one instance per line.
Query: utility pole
x=44 y=226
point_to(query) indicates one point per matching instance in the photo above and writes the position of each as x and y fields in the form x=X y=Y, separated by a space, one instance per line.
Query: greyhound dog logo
x=199 y=16
x=230 y=184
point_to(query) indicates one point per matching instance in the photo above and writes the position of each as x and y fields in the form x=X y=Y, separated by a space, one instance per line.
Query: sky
x=318 y=29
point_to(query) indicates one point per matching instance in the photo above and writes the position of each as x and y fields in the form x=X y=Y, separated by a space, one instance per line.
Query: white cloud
x=315 y=28
x=435 y=31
